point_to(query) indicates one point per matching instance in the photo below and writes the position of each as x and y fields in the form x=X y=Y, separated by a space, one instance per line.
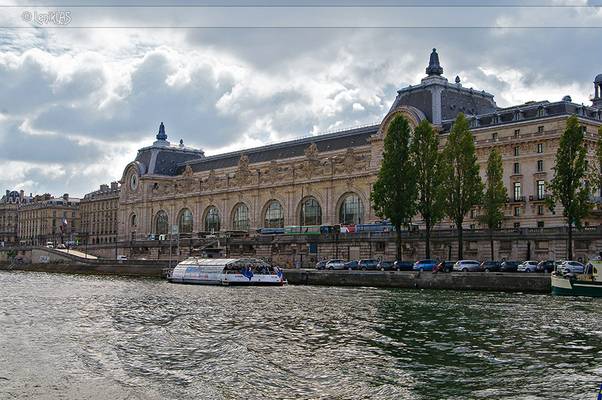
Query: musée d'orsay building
x=327 y=179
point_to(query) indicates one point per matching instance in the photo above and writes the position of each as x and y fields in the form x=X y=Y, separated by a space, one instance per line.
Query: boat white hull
x=230 y=280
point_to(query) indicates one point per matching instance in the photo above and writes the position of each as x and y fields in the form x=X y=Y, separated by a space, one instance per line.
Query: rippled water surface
x=88 y=337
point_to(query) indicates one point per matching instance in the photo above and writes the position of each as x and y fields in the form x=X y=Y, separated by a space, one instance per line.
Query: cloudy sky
x=78 y=100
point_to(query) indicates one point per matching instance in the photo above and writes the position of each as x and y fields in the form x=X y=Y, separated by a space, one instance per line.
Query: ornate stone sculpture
x=312 y=166
x=243 y=173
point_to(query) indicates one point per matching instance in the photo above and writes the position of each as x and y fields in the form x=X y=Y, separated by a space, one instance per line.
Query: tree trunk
x=491 y=243
x=398 y=242
x=428 y=241
x=570 y=246
x=460 y=242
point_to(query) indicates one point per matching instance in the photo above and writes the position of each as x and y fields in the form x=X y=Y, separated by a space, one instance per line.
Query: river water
x=91 y=337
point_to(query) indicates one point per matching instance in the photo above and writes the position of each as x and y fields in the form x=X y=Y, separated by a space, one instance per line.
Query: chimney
x=104 y=188
x=21 y=193
x=114 y=186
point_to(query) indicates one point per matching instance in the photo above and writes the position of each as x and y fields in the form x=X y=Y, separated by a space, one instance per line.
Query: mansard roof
x=530 y=111
x=295 y=148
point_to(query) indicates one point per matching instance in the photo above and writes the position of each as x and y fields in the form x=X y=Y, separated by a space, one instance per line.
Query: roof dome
x=598 y=78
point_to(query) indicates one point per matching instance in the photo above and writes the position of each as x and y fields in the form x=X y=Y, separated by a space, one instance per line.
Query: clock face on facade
x=134 y=182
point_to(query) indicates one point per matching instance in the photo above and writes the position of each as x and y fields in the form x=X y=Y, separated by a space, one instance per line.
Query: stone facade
x=327 y=179
x=98 y=211
x=48 y=219
x=9 y=204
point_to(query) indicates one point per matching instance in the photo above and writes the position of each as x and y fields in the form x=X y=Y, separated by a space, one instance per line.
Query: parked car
x=368 y=265
x=546 y=266
x=491 y=266
x=321 y=264
x=509 y=266
x=467 y=265
x=403 y=265
x=61 y=246
x=444 y=266
x=121 y=257
x=49 y=245
x=353 y=264
x=574 y=267
x=425 y=265
x=527 y=266
x=335 y=264
x=386 y=265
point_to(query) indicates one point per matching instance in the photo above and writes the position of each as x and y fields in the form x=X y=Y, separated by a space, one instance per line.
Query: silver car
x=336 y=264
x=574 y=267
x=467 y=265
x=528 y=266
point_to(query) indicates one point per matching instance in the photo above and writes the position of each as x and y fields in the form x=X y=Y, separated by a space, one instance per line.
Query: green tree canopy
x=462 y=184
x=426 y=158
x=394 y=192
x=495 y=195
x=570 y=186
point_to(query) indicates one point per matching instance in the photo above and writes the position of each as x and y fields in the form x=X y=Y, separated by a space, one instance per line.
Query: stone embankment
x=484 y=281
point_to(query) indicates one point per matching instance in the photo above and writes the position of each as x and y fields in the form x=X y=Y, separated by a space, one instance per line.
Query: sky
x=79 y=96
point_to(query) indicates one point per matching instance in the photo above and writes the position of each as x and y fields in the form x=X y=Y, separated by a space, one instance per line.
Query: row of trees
x=417 y=178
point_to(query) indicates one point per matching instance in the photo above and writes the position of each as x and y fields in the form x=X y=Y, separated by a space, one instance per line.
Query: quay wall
x=483 y=281
x=152 y=271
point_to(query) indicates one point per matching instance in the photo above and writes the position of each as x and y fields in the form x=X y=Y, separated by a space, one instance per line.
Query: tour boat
x=587 y=284
x=227 y=271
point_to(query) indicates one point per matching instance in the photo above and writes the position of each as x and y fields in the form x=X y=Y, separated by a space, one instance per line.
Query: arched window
x=212 y=223
x=274 y=215
x=311 y=212
x=161 y=223
x=133 y=221
x=240 y=218
x=351 y=210
x=185 y=221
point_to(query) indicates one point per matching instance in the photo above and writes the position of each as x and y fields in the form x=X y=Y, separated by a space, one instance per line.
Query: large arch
x=161 y=224
x=273 y=214
x=185 y=221
x=350 y=209
x=412 y=114
x=241 y=217
x=211 y=219
x=309 y=211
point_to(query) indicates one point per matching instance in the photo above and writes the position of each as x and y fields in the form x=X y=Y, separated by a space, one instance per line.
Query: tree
x=394 y=192
x=462 y=184
x=597 y=167
x=570 y=186
x=425 y=154
x=495 y=195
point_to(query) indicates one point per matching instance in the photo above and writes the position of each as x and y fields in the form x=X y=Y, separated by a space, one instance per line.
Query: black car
x=368 y=265
x=491 y=266
x=509 y=266
x=444 y=266
x=352 y=265
x=386 y=265
x=546 y=266
x=403 y=265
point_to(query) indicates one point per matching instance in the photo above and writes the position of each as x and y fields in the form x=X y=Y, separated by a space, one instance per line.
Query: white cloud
x=77 y=100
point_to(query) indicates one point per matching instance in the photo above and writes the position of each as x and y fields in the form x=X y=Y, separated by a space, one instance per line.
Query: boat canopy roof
x=221 y=263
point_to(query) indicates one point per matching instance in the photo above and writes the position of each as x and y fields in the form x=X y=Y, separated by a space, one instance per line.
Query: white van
x=121 y=257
